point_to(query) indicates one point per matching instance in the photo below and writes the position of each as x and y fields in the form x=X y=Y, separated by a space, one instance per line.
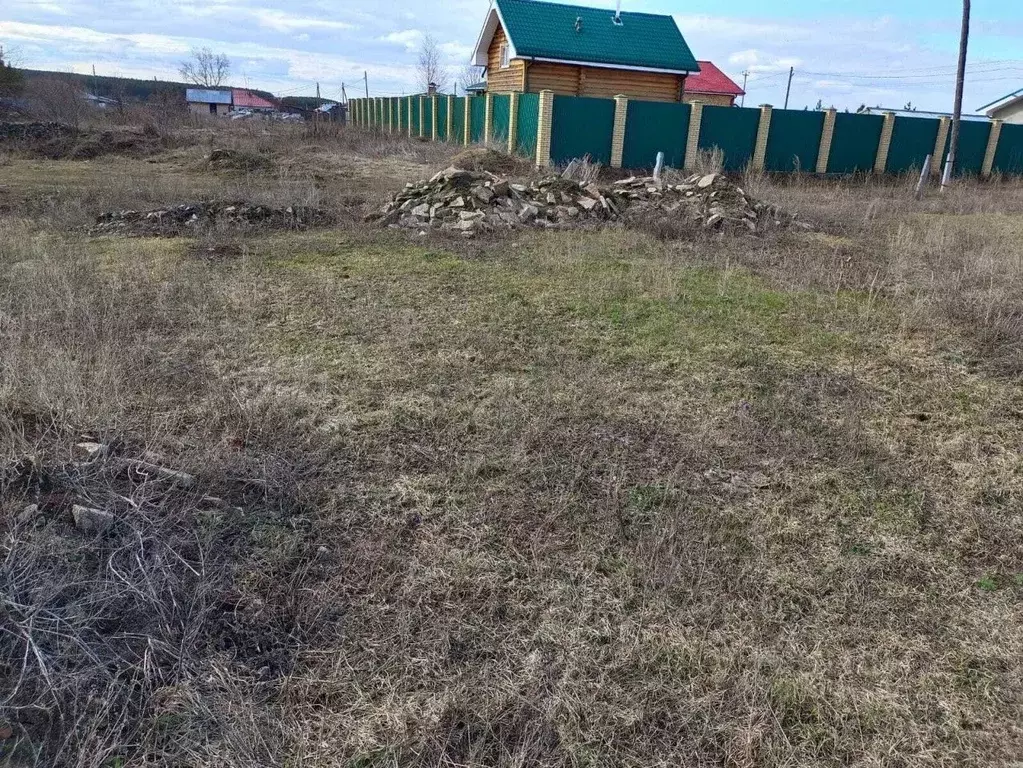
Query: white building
x=1009 y=108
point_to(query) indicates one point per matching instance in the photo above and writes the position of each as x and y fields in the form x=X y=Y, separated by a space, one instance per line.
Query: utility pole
x=957 y=109
x=344 y=95
x=742 y=101
x=317 y=91
x=788 y=88
x=365 y=77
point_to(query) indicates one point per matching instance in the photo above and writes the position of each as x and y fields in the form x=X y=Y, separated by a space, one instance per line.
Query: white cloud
x=410 y=38
x=280 y=21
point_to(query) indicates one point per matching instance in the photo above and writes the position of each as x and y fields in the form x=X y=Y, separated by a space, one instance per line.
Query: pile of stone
x=471 y=202
x=193 y=217
x=34 y=131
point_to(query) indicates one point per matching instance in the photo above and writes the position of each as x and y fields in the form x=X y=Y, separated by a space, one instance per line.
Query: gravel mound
x=471 y=202
x=194 y=217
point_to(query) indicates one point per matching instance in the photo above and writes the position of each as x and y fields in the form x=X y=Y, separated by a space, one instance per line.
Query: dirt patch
x=491 y=161
x=57 y=141
x=194 y=218
x=239 y=160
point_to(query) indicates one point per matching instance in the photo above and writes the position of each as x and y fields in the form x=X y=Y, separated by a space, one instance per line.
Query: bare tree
x=11 y=80
x=57 y=99
x=468 y=75
x=429 y=68
x=205 y=68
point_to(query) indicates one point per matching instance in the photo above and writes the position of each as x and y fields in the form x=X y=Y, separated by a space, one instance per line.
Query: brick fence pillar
x=992 y=147
x=939 y=145
x=467 y=123
x=618 y=133
x=884 y=143
x=488 y=117
x=433 y=117
x=513 y=120
x=693 y=136
x=763 y=131
x=390 y=115
x=450 y=127
x=827 y=134
x=422 y=116
x=545 y=120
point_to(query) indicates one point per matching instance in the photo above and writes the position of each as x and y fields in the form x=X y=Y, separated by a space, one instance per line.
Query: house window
x=504 y=57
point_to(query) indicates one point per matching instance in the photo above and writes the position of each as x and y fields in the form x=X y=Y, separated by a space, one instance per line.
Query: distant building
x=711 y=86
x=1009 y=108
x=241 y=99
x=208 y=101
x=913 y=113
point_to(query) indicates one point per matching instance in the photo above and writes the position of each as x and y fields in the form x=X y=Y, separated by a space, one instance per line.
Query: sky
x=844 y=52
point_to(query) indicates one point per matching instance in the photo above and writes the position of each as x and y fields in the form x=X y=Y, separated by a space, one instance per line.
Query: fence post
x=693 y=137
x=885 y=143
x=377 y=112
x=408 y=107
x=618 y=132
x=467 y=122
x=827 y=134
x=992 y=147
x=422 y=116
x=513 y=120
x=939 y=145
x=390 y=115
x=449 y=129
x=544 y=122
x=433 y=117
x=763 y=131
x=488 y=117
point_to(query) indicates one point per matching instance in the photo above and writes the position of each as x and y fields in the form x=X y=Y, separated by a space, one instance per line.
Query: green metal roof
x=549 y=31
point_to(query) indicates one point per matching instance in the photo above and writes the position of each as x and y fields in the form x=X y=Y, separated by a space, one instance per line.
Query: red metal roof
x=249 y=100
x=710 y=79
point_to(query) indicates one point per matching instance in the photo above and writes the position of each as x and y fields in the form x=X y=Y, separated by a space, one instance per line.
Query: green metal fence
x=526 y=125
x=500 y=116
x=652 y=127
x=442 y=118
x=458 y=120
x=913 y=139
x=427 y=117
x=477 y=116
x=415 y=117
x=582 y=126
x=794 y=140
x=973 y=136
x=1009 y=155
x=731 y=130
x=854 y=143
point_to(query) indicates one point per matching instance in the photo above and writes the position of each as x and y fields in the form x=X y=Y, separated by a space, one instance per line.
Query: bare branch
x=206 y=68
x=429 y=70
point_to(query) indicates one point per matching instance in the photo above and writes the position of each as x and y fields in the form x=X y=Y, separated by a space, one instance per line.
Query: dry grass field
x=591 y=498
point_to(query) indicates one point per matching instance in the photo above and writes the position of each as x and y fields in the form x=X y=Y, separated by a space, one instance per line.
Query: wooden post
x=488 y=117
x=618 y=133
x=433 y=117
x=390 y=115
x=543 y=129
x=467 y=121
x=450 y=128
x=992 y=148
x=939 y=145
x=763 y=132
x=827 y=134
x=885 y=143
x=410 y=117
x=693 y=136
x=513 y=120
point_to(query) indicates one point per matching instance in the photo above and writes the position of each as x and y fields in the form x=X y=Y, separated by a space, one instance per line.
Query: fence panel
x=912 y=140
x=442 y=118
x=500 y=116
x=733 y=131
x=427 y=117
x=794 y=140
x=973 y=136
x=458 y=120
x=414 y=122
x=854 y=143
x=403 y=106
x=582 y=126
x=477 y=114
x=653 y=127
x=1009 y=155
x=527 y=123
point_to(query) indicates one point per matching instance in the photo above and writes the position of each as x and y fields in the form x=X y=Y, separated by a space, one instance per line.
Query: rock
x=528 y=213
x=484 y=194
x=91 y=450
x=458 y=202
x=28 y=514
x=89 y=520
x=587 y=203
x=501 y=188
x=706 y=181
